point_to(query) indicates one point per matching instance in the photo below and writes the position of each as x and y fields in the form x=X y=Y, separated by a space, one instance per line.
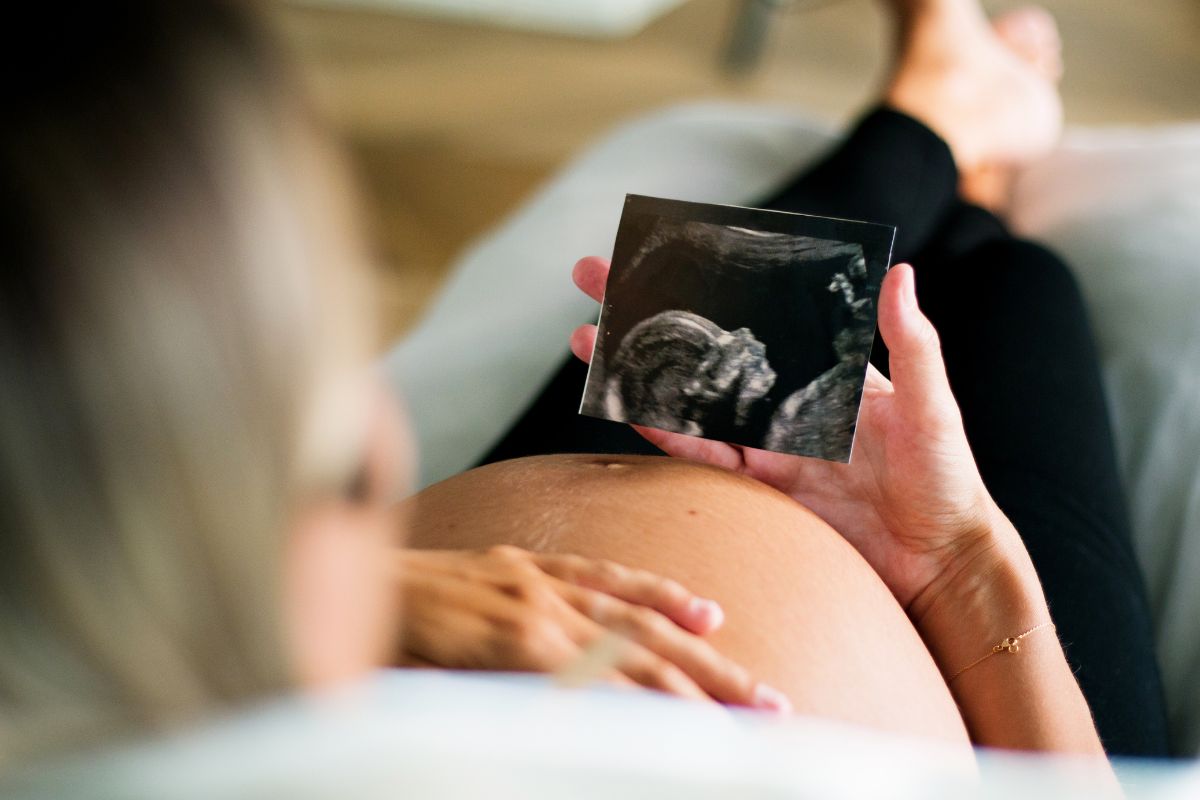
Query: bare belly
x=803 y=610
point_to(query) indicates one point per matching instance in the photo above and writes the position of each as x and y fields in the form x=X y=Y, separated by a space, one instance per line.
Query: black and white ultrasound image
x=745 y=326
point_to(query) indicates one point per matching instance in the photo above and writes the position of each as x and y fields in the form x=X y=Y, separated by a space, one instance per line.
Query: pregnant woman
x=199 y=480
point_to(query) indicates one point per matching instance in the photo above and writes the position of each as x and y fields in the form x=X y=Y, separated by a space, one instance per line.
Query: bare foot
x=990 y=92
x=1032 y=34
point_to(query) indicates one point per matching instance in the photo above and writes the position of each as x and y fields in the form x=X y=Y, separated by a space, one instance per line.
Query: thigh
x=1023 y=366
x=890 y=169
x=803 y=611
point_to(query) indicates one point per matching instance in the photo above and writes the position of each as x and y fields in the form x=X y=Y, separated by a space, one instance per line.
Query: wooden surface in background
x=450 y=126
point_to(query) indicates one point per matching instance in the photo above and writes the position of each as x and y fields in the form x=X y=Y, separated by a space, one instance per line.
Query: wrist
x=990 y=591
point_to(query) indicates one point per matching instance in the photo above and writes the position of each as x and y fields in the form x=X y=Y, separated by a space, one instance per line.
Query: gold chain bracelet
x=1010 y=645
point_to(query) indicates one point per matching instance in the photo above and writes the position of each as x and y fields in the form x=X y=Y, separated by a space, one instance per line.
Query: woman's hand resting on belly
x=508 y=609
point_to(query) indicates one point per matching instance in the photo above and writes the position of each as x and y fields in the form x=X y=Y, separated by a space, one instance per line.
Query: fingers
x=604 y=654
x=652 y=671
x=508 y=609
x=591 y=274
x=719 y=454
x=915 y=354
x=637 y=587
x=583 y=342
x=652 y=613
x=659 y=648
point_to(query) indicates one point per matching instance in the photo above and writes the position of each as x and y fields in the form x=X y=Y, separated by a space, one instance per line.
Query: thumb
x=915 y=352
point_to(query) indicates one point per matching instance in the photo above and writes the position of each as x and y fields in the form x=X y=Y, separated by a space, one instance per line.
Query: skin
x=803 y=610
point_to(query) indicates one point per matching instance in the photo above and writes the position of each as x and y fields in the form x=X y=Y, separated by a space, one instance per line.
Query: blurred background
x=455 y=110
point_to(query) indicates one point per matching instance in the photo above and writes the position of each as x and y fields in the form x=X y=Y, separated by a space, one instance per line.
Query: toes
x=1030 y=27
x=1032 y=34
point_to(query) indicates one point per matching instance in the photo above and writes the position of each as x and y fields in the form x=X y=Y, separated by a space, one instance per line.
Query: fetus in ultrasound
x=678 y=367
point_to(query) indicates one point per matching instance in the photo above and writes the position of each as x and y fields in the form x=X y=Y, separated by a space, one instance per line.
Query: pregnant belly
x=803 y=610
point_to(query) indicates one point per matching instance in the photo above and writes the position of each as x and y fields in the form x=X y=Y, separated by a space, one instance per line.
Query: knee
x=1023 y=266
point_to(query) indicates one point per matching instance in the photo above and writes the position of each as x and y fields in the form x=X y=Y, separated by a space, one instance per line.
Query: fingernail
x=909 y=295
x=706 y=613
x=768 y=698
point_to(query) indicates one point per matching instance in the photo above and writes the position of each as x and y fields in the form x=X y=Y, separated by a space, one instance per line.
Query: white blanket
x=492 y=737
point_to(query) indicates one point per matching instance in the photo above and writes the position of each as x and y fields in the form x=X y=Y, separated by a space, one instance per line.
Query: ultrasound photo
x=746 y=326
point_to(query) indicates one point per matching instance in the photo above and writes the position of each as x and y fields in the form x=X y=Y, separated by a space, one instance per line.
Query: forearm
x=1024 y=700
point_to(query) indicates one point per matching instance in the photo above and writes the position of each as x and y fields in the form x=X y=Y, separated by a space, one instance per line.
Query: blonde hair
x=181 y=329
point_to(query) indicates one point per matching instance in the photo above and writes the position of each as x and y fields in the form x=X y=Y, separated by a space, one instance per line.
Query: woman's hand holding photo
x=913 y=504
x=911 y=500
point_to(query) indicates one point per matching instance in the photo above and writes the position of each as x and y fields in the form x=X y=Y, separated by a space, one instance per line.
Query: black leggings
x=1023 y=366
